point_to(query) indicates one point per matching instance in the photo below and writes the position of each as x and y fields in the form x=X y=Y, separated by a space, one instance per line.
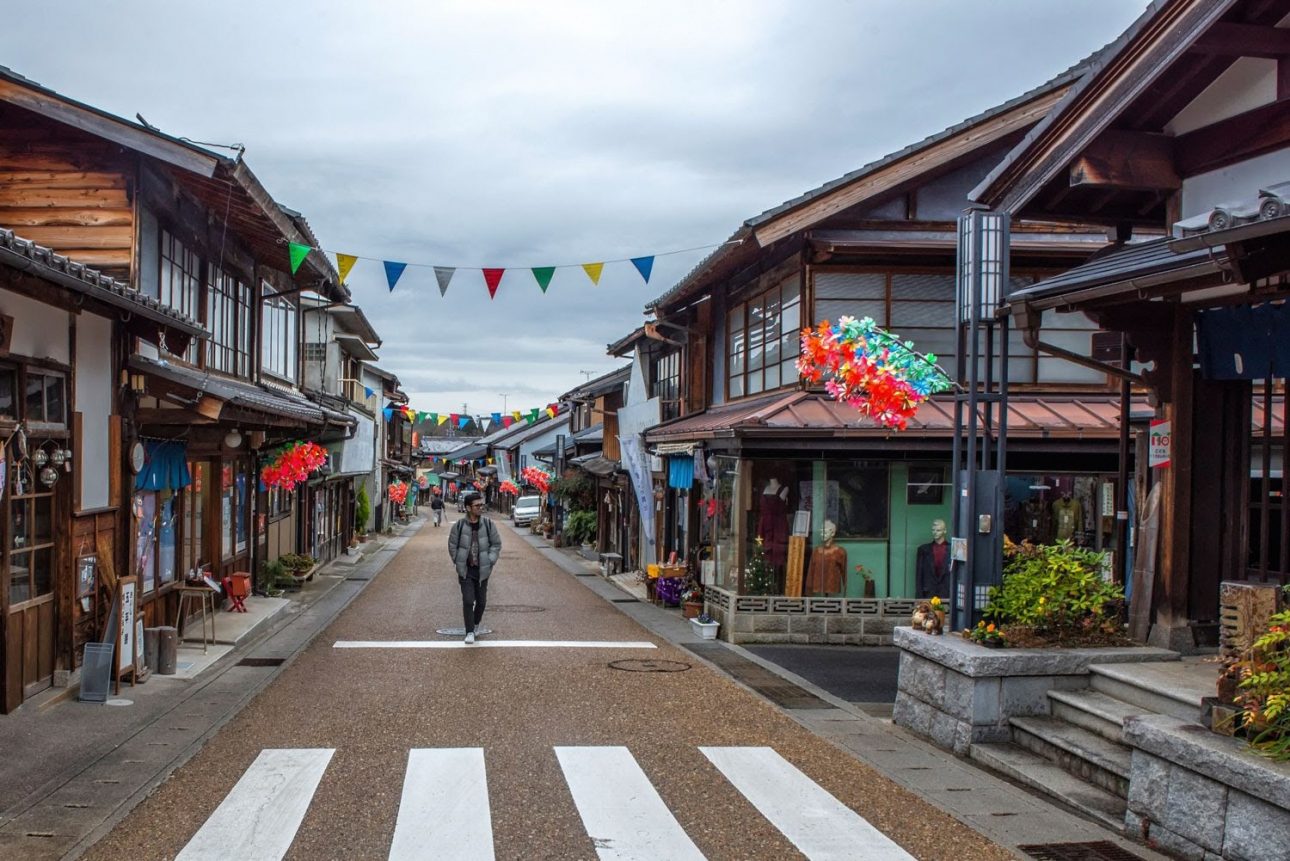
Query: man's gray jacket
x=490 y=546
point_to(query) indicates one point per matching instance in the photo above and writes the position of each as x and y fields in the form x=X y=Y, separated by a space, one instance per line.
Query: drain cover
x=461 y=632
x=648 y=665
x=515 y=608
x=357 y=579
x=260 y=662
x=1101 y=850
x=624 y=600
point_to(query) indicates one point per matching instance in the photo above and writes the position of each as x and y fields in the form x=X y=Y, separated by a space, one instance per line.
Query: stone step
x=1094 y=711
x=1029 y=769
x=1163 y=688
x=1084 y=754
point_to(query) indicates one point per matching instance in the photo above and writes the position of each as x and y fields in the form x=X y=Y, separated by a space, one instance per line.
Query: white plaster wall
x=1237 y=183
x=94 y=386
x=358 y=451
x=39 y=331
x=1247 y=83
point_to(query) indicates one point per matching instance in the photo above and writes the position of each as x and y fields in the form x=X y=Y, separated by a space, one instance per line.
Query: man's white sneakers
x=470 y=637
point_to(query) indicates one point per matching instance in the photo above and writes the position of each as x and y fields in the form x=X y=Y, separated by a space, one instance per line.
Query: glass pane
x=791 y=317
x=35 y=398
x=788 y=372
x=44 y=511
x=860 y=506
x=226 y=510
x=19 y=523
x=790 y=290
x=736 y=352
x=43 y=571
x=8 y=383
x=145 y=538
x=772 y=376
x=735 y=387
x=166 y=538
x=754 y=382
x=754 y=352
x=241 y=512
x=19 y=577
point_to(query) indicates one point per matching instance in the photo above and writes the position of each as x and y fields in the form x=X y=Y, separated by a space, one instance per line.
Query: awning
x=675 y=448
x=596 y=464
x=357 y=348
x=486 y=470
x=680 y=471
x=449 y=476
x=165 y=466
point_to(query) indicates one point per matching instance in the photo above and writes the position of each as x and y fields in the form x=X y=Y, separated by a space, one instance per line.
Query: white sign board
x=125 y=632
x=1160 y=444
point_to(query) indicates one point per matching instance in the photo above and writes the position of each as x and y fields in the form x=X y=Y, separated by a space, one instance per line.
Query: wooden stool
x=203 y=596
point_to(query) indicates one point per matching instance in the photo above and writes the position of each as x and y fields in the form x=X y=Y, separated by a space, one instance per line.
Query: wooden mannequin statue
x=827 y=573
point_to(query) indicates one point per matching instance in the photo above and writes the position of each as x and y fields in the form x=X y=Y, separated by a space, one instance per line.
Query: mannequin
x=932 y=565
x=827 y=573
x=772 y=522
x=1068 y=515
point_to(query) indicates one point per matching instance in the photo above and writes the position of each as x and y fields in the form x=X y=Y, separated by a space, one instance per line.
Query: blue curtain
x=680 y=471
x=165 y=466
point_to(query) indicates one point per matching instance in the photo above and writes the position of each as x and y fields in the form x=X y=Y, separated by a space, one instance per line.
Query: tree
x=362 y=509
x=759 y=575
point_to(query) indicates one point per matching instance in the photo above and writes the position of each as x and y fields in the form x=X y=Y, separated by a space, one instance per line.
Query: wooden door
x=28 y=580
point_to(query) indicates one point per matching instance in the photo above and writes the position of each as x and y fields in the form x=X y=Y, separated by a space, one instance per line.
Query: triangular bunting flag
x=507 y=421
x=389 y=413
x=593 y=271
x=515 y=414
x=533 y=414
x=394 y=270
x=543 y=275
x=442 y=419
x=462 y=421
x=452 y=417
x=298 y=254
x=344 y=263
x=443 y=274
x=484 y=423
x=497 y=417
x=493 y=277
x=370 y=392
x=434 y=417
x=644 y=265
x=550 y=411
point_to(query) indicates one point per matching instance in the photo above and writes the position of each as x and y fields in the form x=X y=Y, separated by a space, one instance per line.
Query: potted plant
x=869 y=588
x=705 y=626
x=987 y=634
x=692 y=600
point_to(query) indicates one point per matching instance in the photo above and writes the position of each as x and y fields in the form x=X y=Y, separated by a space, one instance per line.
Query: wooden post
x=796 y=563
x=1176 y=503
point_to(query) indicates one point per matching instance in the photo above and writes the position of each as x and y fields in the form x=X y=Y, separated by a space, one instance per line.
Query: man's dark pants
x=474 y=595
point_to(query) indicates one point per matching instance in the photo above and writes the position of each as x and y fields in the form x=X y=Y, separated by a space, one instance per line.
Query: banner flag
x=533 y=415
x=370 y=392
x=344 y=263
x=543 y=275
x=393 y=271
x=389 y=413
x=298 y=254
x=442 y=420
x=443 y=274
x=434 y=417
x=550 y=411
x=507 y=421
x=452 y=417
x=462 y=421
x=593 y=271
x=497 y=417
x=515 y=414
x=644 y=265
x=634 y=459
x=493 y=277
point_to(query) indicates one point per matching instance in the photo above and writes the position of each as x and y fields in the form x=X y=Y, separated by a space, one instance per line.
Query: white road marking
x=625 y=818
x=444 y=810
x=491 y=644
x=259 y=817
x=820 y=826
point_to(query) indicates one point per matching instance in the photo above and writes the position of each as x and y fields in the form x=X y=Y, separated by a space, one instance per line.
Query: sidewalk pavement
x=72 y=770
x=1007 y=814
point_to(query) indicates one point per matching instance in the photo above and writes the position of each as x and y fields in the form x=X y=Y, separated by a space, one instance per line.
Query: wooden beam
x=17 y=218
x=155 y=416
x=1263 y=129
x=1127 y=160
x=1244 y=40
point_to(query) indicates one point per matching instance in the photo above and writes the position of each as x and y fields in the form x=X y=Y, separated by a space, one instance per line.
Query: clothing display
x=931 y=570
x=827 y=572
x=772 y=526
x=1068 y=516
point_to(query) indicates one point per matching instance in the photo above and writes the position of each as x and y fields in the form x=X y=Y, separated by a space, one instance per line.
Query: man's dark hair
x=472 y=498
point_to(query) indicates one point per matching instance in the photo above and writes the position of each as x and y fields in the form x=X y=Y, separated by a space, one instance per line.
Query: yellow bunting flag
x=344 y=263
x=593 y=271
x=443 y=419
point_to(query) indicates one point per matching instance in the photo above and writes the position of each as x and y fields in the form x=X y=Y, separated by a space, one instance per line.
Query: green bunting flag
x=298 y=254
x=543 y=275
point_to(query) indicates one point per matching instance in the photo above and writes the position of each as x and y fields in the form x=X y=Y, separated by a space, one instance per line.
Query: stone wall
x=780 y=619
x=956 y=692
x=1199 y=795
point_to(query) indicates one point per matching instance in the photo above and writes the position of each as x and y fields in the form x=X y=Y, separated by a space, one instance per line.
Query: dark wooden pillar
x=1176 y=502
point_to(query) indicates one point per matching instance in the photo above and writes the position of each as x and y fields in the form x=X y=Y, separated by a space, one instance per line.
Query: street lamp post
x=503 y=395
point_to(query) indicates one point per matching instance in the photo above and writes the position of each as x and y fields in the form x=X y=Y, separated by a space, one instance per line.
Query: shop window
x=193 y=517
x=857 y=499
x=1045 y=509
x=667 y=385
x=763 y=338
x=31 y=534
x=227 y=501
x=278 y=338
x=277 y=502
x=156 y=524
x=44 y=398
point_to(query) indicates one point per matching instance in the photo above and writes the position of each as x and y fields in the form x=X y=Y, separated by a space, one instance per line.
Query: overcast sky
x=522 y=134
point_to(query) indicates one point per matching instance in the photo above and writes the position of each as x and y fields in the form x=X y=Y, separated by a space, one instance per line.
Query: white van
x=527 y=509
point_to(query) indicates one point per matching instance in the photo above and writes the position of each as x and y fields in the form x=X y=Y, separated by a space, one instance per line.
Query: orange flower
x=989 y=628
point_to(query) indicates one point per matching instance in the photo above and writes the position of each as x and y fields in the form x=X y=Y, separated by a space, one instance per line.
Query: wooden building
x=1183 y=127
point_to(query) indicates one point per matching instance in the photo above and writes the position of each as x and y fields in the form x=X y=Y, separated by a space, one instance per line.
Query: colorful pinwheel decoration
x=398 y=492
x=293 y=464
x=508 y=486
x=536 y=477
x=883 y=377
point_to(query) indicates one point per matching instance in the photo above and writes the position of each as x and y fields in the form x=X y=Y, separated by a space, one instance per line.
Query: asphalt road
x=518 y=751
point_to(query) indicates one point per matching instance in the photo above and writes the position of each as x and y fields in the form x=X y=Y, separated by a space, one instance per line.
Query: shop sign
x=1160 y=444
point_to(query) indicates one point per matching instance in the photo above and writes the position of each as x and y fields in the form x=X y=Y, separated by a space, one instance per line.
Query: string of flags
x=461 y=420
x=492 y=275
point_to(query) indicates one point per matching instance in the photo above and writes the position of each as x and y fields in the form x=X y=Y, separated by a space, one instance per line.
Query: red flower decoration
x=292 y=465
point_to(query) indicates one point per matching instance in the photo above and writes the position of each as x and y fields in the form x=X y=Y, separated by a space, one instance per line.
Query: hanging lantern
x=40 y=457
x=48 y=476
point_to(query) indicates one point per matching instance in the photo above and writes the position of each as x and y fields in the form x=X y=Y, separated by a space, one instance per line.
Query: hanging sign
x=1161 y=444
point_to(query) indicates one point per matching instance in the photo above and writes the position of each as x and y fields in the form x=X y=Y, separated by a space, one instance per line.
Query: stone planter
x=957 y=692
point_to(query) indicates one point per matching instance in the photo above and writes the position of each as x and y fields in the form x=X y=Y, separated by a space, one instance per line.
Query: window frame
x=278 y=334
x=180 y=282
x=748 y=368
x=228 y=318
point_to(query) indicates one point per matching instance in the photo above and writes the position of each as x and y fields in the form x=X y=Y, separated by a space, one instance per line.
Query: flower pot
x=706 y=630
x=691 y=609
x=992 y=644
x=869 y=589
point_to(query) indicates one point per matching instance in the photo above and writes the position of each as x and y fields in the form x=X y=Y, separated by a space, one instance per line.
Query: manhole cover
x=260 y=662
x=648 y=665
x=515 y=608
x=1100 y=850
x=119 y=702
x=461 y=632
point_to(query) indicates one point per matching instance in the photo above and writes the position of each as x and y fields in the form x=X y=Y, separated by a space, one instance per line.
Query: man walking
x=474 y=545
x=436 y=506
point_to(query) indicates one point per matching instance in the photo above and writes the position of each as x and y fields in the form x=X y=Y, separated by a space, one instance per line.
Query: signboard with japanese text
x=1160 y=443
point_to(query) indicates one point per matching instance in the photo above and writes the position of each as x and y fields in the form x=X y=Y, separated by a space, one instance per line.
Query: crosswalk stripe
x=444 y=813
x=625 y=817
x=820 y=826
x=491 y=644
x=259 y=817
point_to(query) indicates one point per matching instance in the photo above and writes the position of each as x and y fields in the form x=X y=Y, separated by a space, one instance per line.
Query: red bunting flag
x=453 y=417
x=493 y=277
x=507 y=421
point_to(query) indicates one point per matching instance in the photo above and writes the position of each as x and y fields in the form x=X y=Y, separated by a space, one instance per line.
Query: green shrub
x=576 y=491
x=1055 y=594
x=580 y=526
x=1265 y=690
x=362 y=509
